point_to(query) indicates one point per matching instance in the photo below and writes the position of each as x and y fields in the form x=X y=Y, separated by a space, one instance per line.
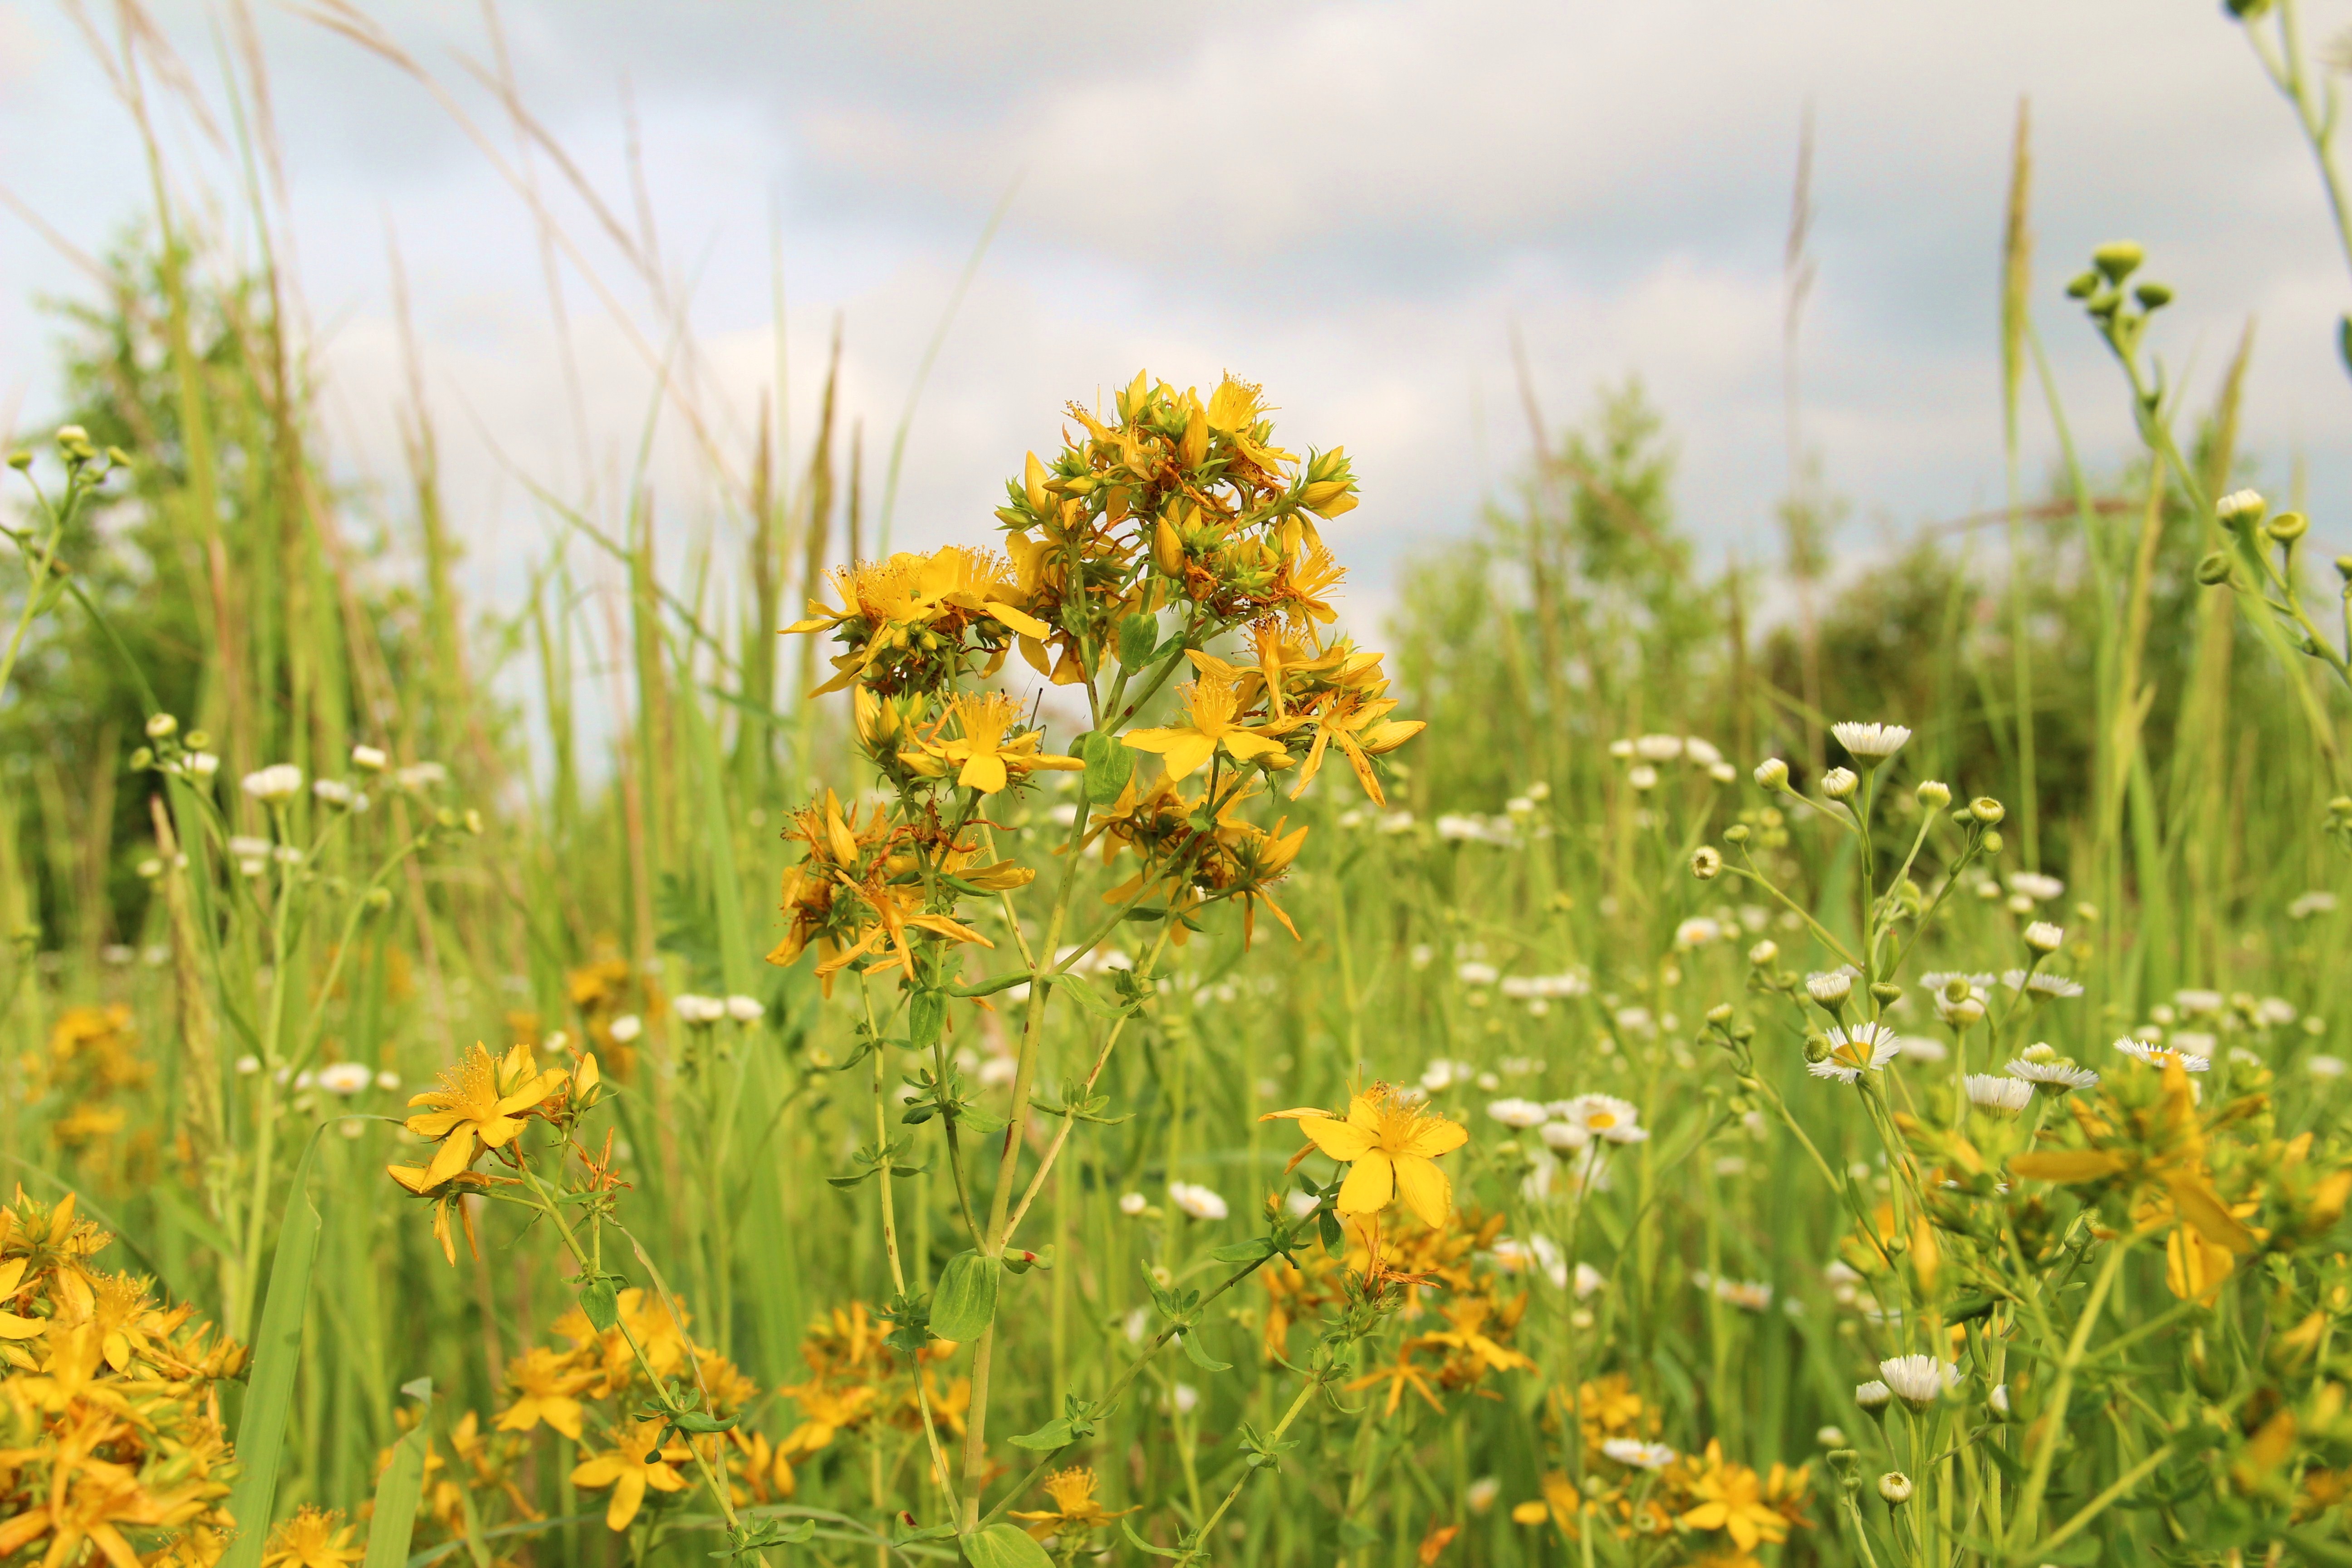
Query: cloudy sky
x=1356 y=203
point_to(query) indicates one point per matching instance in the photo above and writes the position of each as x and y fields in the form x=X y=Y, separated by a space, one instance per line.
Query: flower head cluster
x=110 y=1441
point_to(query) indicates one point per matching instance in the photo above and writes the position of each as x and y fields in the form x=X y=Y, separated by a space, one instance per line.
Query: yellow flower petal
x=1369 y=1186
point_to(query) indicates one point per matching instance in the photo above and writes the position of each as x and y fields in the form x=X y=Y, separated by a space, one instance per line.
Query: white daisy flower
x=1920 y=1380
x=1697 y=932
x=275 y=784
x=2036 y=885
x=345 y=1078
x=1196 y=1200
x=1831 y=988
x=2197 y=1002
x=1923 y=1047
x=1658 y=748
x=1870 y=742
x=1639 y=1455
x=1604 y=1115
x=1518 y=1113
x=1856 y=1049
x=2324 y=1067
x=2002 y=1096
x=2158 y=1056
x=2057 y=1075
x=1476 y=974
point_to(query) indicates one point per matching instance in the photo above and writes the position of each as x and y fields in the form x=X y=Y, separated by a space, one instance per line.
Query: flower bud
x=2082 y=286
x=1830 y=1436
x=1707 y=863
x=1719 y=1014
x=1934 y=794
x=1166 y=550
x=2239 y=508
x=1772 y=773
x=1735 y=834
x=161 y=726
x=1872 y=1397
x=2153 y=296
x=1896 y=1488
x=2043 y=937
x=2118 y=260
x=1817 y=1047
x=1838 y=784
x=1764 y=952
x=2214 y=570
x=1986 y=810
x=20 y=461
x=198 y=739
x=373 y=760
x=1886 y=992
x=2287 y=527
x=1992 y=843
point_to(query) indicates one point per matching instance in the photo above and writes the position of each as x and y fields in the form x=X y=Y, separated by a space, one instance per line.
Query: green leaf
x=600 y=1300
x=276 y=1352
x=1198 y=1353
x=1109 y=764
x=900 y=1536
x=964 y=1304
x=1143 y=1546
x=845 y=1183
x=925 y=1013
x=1054 y=1434
x=399 y=1489
x=1088 y=997
x=1139 y=637
x=1245 y=1251
x=1003 y=1545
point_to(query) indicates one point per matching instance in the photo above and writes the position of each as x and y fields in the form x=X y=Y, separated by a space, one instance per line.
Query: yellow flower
x=1394 y=1147
x=1075 y=1508
x=1733 y=1497
x=824 y=1412
x=629 y=1467
x=1212 y=704
x=477 y=1102
x=546 y=1382
x=312 y=1538
x=984 y=758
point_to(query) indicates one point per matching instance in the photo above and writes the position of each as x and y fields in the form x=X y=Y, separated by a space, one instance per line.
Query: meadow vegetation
x=1062 y=1047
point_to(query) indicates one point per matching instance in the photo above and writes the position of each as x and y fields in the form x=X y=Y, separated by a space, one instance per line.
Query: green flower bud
x=1719 y=1014
x=2287 y=527
x=2118 y=260
x=1986 y=810
x=1992 y=843
x=2153 y=296
x=2214 y=570
x=1934 y=794
x=2084 y=287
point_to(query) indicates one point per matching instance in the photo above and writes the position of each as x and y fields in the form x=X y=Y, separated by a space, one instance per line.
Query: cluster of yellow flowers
x=856 y=1381
x=594 y=1388
x=1479 y=1316
x=1182 y=505
x=88 y=1062
x=606 y=991
x=1717 y=1510
x=110 y=1438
